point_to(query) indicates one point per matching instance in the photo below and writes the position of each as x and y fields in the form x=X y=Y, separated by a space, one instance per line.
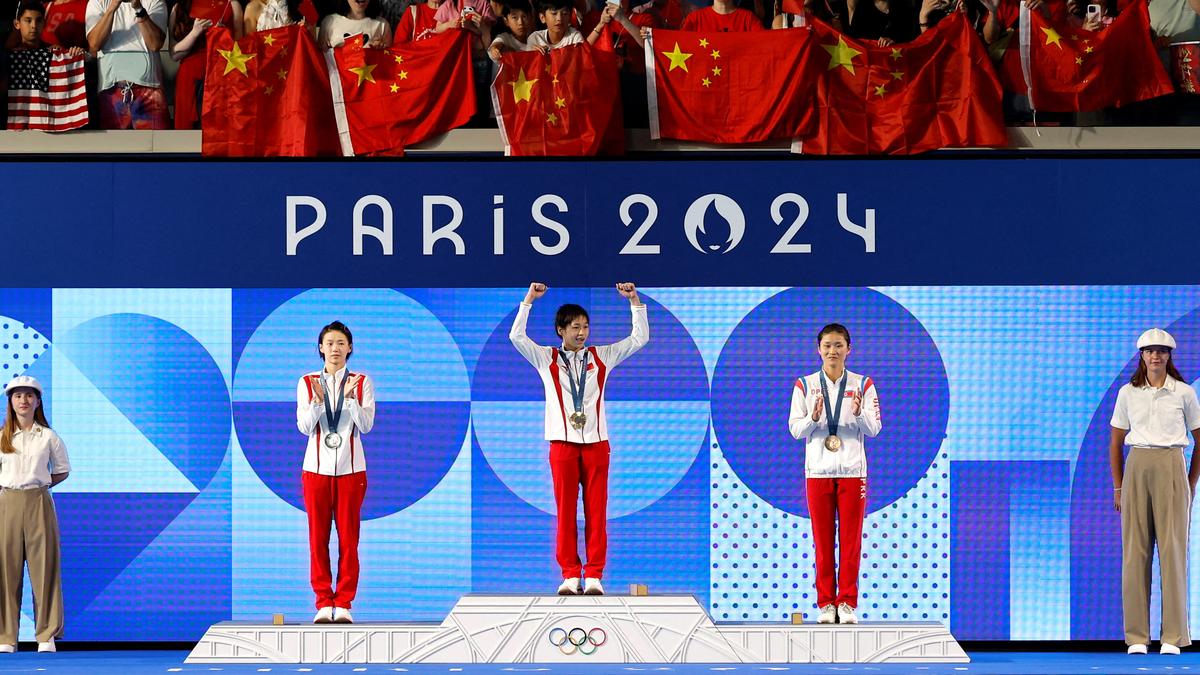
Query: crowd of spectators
x=126 y=41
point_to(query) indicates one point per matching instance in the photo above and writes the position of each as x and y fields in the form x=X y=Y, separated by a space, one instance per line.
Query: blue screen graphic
x=988 y=487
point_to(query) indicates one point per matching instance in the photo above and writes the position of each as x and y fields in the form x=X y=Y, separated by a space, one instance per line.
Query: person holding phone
x=834 y=411
x=334 y=407
x=126 y=36
x=1153 y=489
x=574 y=375
x=32 y=460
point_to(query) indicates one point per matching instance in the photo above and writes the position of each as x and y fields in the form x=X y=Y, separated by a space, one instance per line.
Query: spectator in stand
x=28 y=27
x=887 y=21
x=981 y=14
x=472 y=15
x=417 y=22
x=724 y=16
x=517 y=16
x=555 y=15
x=190 y=37
x=1079 y=17
x=624 y=34
x=270 y=14
x=126 y=38
x=475 y=16
x=791 y=14
x=666 y=13
x=355 y=17
x=27 y=34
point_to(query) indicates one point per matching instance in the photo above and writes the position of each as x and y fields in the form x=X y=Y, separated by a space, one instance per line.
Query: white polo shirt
x=40 y=454
x=556 y=372
x=125 y=55
x=850 y=461
x=1157 y=417
x=358 y=417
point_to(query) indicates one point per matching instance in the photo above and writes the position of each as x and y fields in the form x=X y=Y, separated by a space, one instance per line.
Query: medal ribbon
x=837 y=412
x=334 y=416
x=576 y=391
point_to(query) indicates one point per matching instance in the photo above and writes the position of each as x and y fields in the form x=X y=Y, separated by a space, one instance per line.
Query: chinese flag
x=267 y=95
x=1075 y=70
x=561 y=103
x=213 y=10
x=65 y=24
x=938 y=91
x=389 y=99
x=731 y=87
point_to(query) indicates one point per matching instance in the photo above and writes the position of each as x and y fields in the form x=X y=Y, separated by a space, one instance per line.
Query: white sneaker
x=1136 y=649
x=592 y=587
x=846 y=614
x=324 y=615
x=828 y=614
x=342 y=615
x=7 y=649
x=1168 y=648
x=569 y=586
x=47 y=646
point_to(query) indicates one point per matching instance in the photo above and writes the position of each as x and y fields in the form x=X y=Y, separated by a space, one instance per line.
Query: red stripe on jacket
x=558 y=387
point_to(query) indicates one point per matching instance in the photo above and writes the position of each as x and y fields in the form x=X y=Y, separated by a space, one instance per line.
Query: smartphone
x=613 y=2
x=1093 y=10
x=468 y=10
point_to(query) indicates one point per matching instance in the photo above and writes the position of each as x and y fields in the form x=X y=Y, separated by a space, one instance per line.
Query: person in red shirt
x=723 y=17
x=417 y=23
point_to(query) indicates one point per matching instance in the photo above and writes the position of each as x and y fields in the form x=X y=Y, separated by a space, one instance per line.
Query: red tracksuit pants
x=839 y=503
x=329 y=500
x=573 y=465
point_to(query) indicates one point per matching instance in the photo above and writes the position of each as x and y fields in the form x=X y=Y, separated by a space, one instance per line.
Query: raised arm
x=99 y=22
x=639 y=334
x=538 y=356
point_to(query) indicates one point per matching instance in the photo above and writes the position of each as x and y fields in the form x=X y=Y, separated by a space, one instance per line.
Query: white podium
x=577 y=629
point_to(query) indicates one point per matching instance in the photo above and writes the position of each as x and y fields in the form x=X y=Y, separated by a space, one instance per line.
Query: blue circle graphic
x=776 y=343
x=422 y=393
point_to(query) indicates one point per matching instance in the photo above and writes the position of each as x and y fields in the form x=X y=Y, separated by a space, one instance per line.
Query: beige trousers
x=1155 y=509
x=29 y=534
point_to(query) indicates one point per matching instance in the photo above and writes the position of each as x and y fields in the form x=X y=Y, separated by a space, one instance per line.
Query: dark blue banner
x=488 y=224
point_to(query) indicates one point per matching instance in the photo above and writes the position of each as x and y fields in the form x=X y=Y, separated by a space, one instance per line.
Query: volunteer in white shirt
x=1153 y=490
x=334 y=407
x=32 y=460
x=834 y=411
x=574 y=376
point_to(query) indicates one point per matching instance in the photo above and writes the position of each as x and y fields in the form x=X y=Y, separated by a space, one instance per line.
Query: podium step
x=577 y=629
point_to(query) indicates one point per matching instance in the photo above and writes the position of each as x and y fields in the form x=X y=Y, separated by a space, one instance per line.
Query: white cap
x=23 y=381
x=1156 y=337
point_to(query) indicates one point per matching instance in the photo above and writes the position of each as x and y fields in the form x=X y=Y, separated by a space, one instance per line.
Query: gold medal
x=833 y=443
x=579 y=419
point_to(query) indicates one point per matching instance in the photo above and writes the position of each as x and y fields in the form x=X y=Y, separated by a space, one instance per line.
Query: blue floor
x=982 y=663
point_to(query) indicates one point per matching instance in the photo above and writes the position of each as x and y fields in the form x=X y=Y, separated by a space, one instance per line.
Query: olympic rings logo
x=585 y=642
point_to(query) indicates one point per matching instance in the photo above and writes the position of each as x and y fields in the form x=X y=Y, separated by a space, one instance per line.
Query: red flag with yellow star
x=565 y=103
x=1076 y=70
x=392 y=98
x=731 y=87
x=266 y=95
x=938 y=91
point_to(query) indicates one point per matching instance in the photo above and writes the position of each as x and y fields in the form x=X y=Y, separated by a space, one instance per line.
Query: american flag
x=46 y=91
